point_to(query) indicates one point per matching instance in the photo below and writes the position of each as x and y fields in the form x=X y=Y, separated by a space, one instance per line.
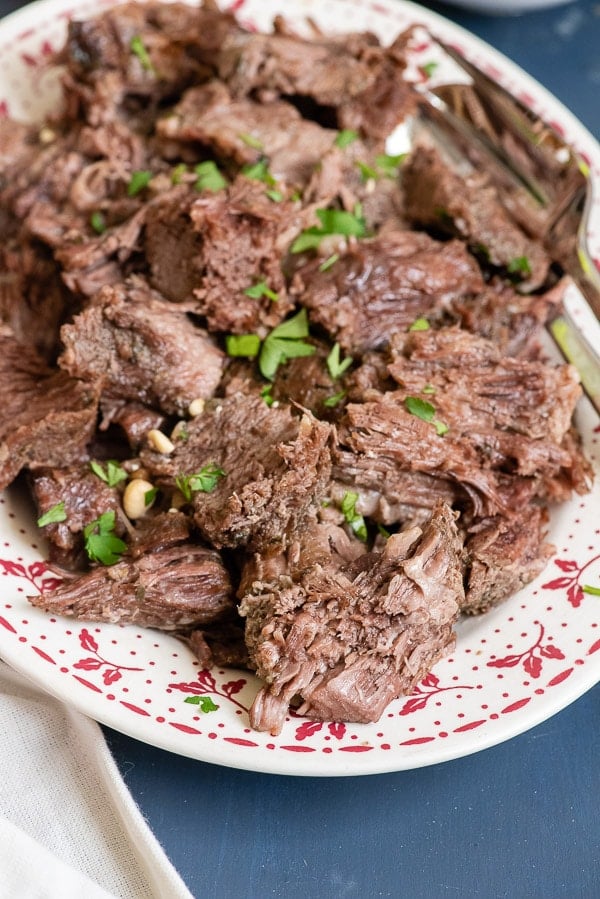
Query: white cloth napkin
x=69 y=828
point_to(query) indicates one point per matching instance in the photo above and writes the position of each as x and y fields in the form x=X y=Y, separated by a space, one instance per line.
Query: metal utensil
x=540 y=180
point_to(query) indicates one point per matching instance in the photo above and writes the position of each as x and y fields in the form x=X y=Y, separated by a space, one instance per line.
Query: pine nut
x=160 y=441
x=196 y=407
x=134 y=498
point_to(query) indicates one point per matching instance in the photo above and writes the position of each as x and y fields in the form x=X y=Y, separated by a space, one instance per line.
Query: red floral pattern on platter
x=206 y=685
x=426 y=690
x=111 y=671
x=36 y=573
x=573 y=580
x=531 y=658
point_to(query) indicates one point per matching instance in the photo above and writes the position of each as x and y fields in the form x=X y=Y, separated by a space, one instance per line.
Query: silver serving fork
x=540 y=179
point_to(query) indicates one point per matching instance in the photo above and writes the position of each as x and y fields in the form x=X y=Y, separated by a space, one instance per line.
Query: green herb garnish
x=367 y=172
x=203 y=481
x=419 y=324
x=137 y=47
x=333 y=221
x=139 y=180
x=335 y=366
x=150 y=496
x=259 y=171
x=426 y=412
x=331 y=260
x=178 y=172
x=267 y=394
x=592 y=591
x=208 y=177
x=251 y=141
x=520 y=265
x=332 y=401
x=205 y=702
x=356 y=521
x=97 y=222
x=383 y=531
x=261 y=289
x=246 y=345
x=53 y=515
x=389 y=165
x=345 y=137
x=101 y=542
x=285 y=342
x=112 y=475
x=429 y=68
x=275 y=195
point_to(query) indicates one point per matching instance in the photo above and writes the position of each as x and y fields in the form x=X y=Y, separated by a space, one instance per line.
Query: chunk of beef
x=230 y=241
x=514 y=414
x=276 y=467
x=134 y=419
x=221 y=644
x=181 y=587
x=141 y=348
x=85 y=497
x=329 y=71
x=383 y=284
x=244 y=131
x=46 y=418
x=158 y=531
x=502 y=554
x=349 y=642
x=470 y=207
x=307 y=382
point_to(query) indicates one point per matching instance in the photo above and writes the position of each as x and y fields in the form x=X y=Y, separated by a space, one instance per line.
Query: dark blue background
x=519 y=820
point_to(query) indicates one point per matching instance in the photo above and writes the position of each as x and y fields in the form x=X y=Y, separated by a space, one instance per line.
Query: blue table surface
x=517 y=820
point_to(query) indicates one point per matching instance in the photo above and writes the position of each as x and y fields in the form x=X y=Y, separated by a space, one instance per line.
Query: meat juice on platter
x=273 y=389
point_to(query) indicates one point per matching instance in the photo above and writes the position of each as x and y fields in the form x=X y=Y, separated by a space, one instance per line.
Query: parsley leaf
x=275 y=196
x=97 y=222
x=429 y=68
x=592 y=591
x=138 y=181
x=137 y=47
x=178 y=172
x=426 y=412
x=267 y=394
x=389 y=165
x=246 y=345
x=112 y=475
x=203 y=481
x=251 y=141
x=367 y=172
x=101 y=542
x=261 y=289
x=520 y=265
x=332 y=401
x=208 y=177
x=259 y=171
x=420 y=324
x=345 y=137
x=285 y=342
x=53 y=515
x=356 y=521
x=335 y=366
x=205 y=702
x=333 y=221
x=331 y=260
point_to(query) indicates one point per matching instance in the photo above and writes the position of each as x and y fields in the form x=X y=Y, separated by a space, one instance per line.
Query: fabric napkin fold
x=68 y=825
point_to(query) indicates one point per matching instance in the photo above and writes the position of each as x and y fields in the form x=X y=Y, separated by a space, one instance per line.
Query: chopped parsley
x=429 y=388
x=203 y=481
x=205 y=702
x=592 y=591
x=419 y=324
x=208 y=177
x=259 y=171
x=112 y=475
x=385 y=167
x=333 y=221
x=367 y=172
x=426 y=412
x=137 y=47
x=267 y=394
x=138 y=181
x=261 y=289
x=286 y=341
x=519 y=266
x=335 y=366
x=345 y=137
x=383 y=531
x=332 y=401
x=251 y=141
x=356 y=521
x=275 y=196
x=101 y=542
x=429 y=68
x=150 y=496
x=54 y=515
x=178 y=172
x=97 y=222
x=331 y=260
x=246 y=345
